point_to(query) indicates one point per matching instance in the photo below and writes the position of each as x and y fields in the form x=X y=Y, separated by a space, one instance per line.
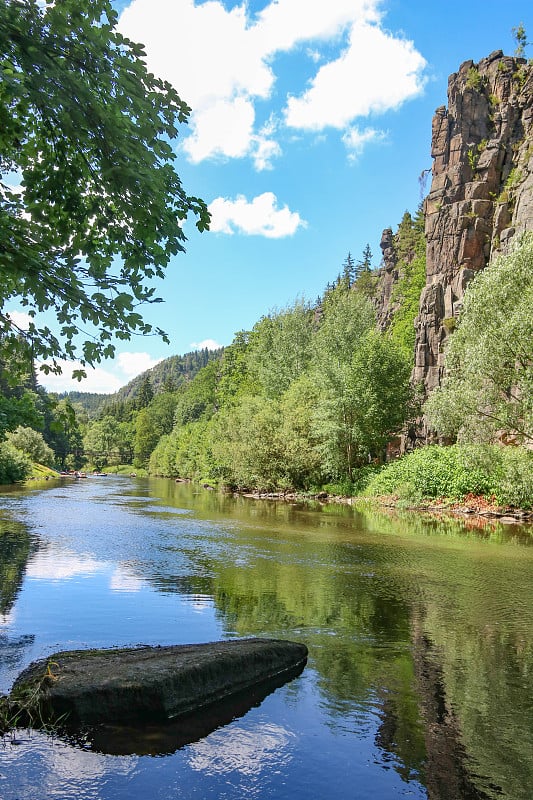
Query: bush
x=14 y=465
x=502 y=473
x=31 y=443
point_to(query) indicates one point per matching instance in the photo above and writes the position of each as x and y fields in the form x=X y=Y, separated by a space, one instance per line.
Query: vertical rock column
x=481 y=193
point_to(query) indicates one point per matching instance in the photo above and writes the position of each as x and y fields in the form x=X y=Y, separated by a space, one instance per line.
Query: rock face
x=388 y=277
x=481 y=192
x=148 y=683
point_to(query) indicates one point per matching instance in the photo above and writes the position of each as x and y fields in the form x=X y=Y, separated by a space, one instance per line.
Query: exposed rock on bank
x=143 y=684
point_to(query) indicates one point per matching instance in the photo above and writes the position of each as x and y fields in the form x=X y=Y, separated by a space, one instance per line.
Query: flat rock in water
x=149 y=683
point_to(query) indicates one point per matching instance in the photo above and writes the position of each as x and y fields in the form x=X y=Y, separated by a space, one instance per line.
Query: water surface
x=420 y=632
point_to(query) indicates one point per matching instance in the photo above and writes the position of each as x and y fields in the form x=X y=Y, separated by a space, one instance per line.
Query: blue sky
x=311 y=124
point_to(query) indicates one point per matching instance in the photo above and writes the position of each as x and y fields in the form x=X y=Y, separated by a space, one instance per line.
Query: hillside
x=172 y=373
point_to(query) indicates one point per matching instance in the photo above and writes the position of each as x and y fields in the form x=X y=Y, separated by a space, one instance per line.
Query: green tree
x=197 y=397
x=280 y=347
x=14 y=464
x=487 y=392
x=347 y=317
x=101 y=442
x=246 y=445
x=32 y=444
x=365 y=265
x=410 y=247
x=100 y=213
x=145 y=394
x=520 y=37
x=349 y=271
x=297 y=433
x=63 y=433
x=152 y=422
x=234 y=379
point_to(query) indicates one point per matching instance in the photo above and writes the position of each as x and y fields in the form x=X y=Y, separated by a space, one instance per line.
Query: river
x=420 y=634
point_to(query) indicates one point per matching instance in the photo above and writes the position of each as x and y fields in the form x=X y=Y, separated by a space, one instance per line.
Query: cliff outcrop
x=481 y=193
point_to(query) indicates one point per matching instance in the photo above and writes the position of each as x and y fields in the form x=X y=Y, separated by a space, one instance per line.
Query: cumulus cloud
x=98 y=380
x=375 y=73
x=124 y=368
x=259 y=217
x=132 y=364
x=211 y=344
x=225 y=68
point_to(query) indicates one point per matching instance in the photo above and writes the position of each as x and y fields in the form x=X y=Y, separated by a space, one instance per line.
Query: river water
x=420 y=634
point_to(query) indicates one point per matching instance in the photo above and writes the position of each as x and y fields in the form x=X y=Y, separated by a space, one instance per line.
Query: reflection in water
x=420 y=633
x=248 y=752
x=447 y=774
x=15 y=549
x=164 y=738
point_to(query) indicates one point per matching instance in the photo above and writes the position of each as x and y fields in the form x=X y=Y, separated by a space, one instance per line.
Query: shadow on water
x=158 y=739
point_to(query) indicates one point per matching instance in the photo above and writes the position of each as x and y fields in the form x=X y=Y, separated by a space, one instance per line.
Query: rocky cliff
x=481 y=193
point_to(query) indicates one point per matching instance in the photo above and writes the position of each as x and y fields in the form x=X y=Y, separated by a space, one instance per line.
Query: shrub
x=14 y=465
x=502 y=473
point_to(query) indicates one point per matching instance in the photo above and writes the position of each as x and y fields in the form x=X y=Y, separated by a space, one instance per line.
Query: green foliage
x=198 y=398
x=473 y=79
x=280 y=348
x=63 y=434
x=520 y=37
x=487 y=392
x=431 y=472
x=363 y=402
x=499 y=473
x=245 y=444
x=234 y=379
x=108 y=442
x=32 y=444
x=303 y=398
x=146 y=392
x=410 y=245
x=18 y=408
x=89 y=129
x=14 y=465
x=152 y=422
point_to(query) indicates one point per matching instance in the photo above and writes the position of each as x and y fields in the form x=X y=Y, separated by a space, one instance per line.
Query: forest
x=317 y=398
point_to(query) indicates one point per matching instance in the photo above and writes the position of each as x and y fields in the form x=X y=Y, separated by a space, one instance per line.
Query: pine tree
x=146 y=393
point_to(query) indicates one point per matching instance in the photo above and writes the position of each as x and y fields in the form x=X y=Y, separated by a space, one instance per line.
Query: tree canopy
x=488 y=388
x=85 y=131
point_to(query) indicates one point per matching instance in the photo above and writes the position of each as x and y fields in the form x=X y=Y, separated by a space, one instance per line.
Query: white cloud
x=222 y=63
x=265 y=148
x=98 y=380
x=259 y=217
x=376 y=73
x=224 y=127
x=356 y=140
x=211 y=344
x=20 y=319
x=132 y=364
x=119 y=371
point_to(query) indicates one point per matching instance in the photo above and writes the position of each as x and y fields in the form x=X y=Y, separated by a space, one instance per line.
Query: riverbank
x=470 y=506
